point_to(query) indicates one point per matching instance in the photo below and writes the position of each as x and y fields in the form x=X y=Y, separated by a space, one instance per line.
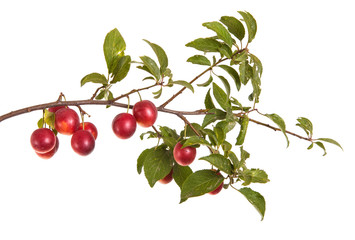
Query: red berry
x=167 y=178
x=124 y=125
x=145 y=113
x=43 y=140
x=88 y=126
x=66 y=121
x=54 y=109
x=50 y=154
x=184 y=156
x=218 y=189
x=83 y=142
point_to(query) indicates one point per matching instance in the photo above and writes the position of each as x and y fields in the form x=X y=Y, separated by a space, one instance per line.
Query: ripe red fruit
x=184 y=156
x=88 y=126
x=54 y=109
x=83 y=142
x=50 y=154
x=145 y=113
x=66 y=121
x=43 y=140
x=124 y=125
x=218 y=189
x=167 y=178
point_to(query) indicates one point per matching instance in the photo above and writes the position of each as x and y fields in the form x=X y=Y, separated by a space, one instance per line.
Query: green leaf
x=234 y=160
x=205 y=45
x=220 y=135
x=221 y=97
x=255 y=80
x=49 y=118
x=180 y=173
x=227 y=126
x=101 y=95
x=220 y=162
x=158 y=93
x=233 y=73
x=114 y=45
x=199 y=59
x=329 y=140
x=184 y=84
x=234 y=26
x=194 y=140
x=161 y=55
x=142 y=157
x=226 y=85
x=255 y=198
x=257 y=63
x=157 y=165
x=306 y=125
x=225 y=50
x=121 y=68
x=320 y=144
x=207 y=83
x=169 y=136
x=40 y=123
x=279 y=122
x=251 y=24
x=208 y=101
x=222 y=32
x=94 y=78
x=243 y=130
x=211 y=136
x=150 y=134
x=151 y=66
x=212 y=116
x=199 y=183
x=310 y=146
x=254 y=175
x=241 y=57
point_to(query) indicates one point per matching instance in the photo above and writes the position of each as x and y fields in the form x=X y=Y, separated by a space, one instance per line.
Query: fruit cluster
x=67 y=122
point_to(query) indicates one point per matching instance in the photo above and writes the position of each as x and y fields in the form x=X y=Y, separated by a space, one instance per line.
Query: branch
x=197 y=77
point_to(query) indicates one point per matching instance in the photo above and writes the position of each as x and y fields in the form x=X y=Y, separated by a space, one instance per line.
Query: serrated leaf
x=243 y=130
x=279 y=122
x=233 y=73
x=212 y=116
x=180 y=174
x=205 y=45
x=184 y=84
x=234 y=26
x=157 y=165
x=141 y=159
x=254 y=175
x=199 y=183
x=321 y=145
x=194 y=140
x=222 y=32
x=220 y=162
x=94 y=78
x=221 y=97
x=114 y=44
x=199 y=59
x=251 y=25
x=121 y=68
x=152 y=66
x=255 y=198
x=207 y=83
x=208 y=101
x=332 y=141
x=161 y=55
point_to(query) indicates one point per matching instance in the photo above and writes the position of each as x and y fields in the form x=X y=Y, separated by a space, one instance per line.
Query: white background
x=307 y=50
